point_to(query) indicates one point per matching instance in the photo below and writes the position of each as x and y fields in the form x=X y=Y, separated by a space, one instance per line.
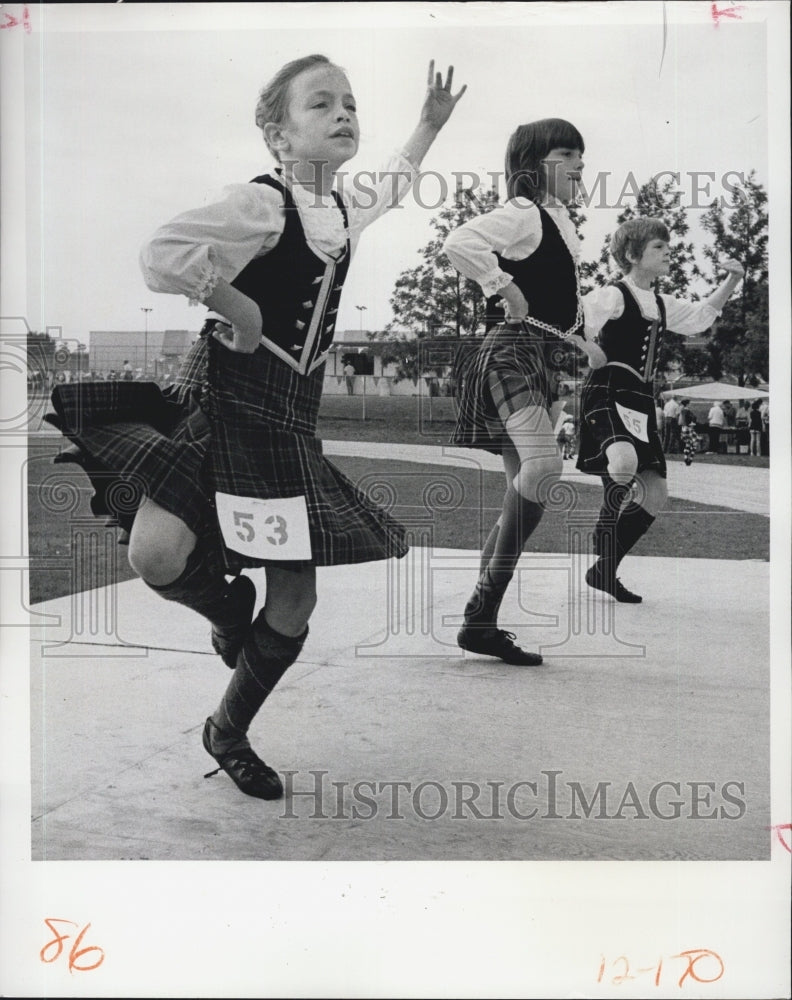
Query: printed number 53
x=277 y=536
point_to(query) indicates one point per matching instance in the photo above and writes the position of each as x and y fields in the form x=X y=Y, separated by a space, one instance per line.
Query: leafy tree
x=739 y=230
x=696 y=362
x=433 y=299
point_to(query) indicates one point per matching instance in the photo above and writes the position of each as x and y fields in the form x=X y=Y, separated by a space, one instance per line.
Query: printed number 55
x=243 y=520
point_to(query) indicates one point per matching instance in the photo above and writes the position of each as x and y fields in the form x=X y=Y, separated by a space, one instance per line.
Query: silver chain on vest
x=578 y=315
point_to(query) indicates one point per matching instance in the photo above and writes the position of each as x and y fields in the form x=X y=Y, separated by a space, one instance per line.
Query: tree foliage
x=739 y=230
x=433 y=299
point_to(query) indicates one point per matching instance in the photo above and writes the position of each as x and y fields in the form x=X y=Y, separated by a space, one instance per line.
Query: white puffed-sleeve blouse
x=514 y=231
x=190 y=253
x=603 y=304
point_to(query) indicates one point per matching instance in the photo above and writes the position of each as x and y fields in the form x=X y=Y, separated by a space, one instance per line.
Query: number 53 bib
x=265 y=529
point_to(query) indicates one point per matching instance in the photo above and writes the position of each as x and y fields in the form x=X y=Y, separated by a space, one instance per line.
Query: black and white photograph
x=395 y=553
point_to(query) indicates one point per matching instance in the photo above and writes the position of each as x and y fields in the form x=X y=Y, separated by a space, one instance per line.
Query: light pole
x=145 y=310
x=361 y=310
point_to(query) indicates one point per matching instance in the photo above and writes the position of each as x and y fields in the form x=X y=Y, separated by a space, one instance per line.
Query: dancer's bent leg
x=623 y=521
x=181 y=567
x=272 y=644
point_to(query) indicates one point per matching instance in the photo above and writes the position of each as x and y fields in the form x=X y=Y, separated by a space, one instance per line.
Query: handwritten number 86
x=76 y=952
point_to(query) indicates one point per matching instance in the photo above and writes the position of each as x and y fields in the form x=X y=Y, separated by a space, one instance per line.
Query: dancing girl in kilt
x=524 y=253
x=619 y=438
x=226 y=466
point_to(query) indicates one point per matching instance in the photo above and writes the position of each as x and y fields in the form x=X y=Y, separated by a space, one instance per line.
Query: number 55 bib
x=635 y=422
x=265 y=529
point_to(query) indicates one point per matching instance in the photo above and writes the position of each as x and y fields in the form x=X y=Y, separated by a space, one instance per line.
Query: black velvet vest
x=297 y=289
x=546 y=279
x=632 y=340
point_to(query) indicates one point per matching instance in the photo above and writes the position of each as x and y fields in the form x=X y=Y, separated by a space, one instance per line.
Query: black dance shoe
x=610 y=585
x=496 y=642
x=227 y=639
x=248 y=772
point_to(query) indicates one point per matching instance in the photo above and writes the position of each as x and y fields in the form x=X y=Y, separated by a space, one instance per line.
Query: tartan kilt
x=601 y=425
x=236 y=423
x=516 y=366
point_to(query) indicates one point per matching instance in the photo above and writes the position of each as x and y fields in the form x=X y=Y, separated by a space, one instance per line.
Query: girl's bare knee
x=158 y=564
x=159 y=545
x=622 y=462
x=537 y=476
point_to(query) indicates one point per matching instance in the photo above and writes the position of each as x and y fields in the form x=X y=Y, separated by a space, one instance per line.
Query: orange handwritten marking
x=13 y=22
x=778 y=828
x=621 y=968
x=694 y=955
x=76 y=952
x=732 y=11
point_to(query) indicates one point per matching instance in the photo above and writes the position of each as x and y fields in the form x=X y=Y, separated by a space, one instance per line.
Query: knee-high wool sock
x=264 y=658
x=605 y=529
x=519 y=521
x=613 y=539
x=632 y=525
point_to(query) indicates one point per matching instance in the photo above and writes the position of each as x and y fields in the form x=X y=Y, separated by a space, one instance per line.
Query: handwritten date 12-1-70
x=702 y=965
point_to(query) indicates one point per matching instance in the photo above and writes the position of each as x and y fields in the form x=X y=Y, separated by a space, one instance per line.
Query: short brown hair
x=528 y=146
x=633 y=236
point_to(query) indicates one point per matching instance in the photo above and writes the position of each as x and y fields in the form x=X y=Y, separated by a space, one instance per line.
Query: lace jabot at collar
x=321 y=218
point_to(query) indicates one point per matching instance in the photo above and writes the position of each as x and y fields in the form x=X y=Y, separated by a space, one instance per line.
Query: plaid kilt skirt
x=601 y=425
x=235 y=423
x=516 y=366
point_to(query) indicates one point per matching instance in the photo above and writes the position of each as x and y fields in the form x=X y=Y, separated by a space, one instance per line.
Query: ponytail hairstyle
x=528 y=146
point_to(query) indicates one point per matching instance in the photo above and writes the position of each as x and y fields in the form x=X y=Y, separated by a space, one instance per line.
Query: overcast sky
x=135 y=113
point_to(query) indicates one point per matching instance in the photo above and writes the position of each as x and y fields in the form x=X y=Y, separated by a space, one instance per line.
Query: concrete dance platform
x=644 y=735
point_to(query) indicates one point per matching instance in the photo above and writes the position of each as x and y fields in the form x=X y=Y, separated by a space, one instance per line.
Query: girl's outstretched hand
x=732 y=266
x=439 y=101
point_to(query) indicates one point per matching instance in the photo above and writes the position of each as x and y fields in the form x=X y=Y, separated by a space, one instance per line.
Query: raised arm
x=735 y=272
x=689 y=318
x=438 y=106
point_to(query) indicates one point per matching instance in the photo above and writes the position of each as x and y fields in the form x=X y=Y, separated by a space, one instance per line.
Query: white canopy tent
x=717 y=390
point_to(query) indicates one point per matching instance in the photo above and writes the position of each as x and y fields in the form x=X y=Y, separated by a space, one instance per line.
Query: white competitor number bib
x=634 y=421
x=265 y=529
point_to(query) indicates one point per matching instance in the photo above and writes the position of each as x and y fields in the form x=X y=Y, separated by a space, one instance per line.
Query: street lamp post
x=145 y=310
x=361 y=310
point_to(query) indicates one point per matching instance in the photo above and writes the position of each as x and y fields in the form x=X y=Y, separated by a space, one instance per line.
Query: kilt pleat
x=515 y=366
x=236 y=423
x=601 y=425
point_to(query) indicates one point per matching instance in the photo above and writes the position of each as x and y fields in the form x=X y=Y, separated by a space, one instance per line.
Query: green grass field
x=465 y=504
x=421 y=420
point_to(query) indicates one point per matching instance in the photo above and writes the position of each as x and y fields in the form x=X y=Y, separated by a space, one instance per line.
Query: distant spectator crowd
x=747 y=425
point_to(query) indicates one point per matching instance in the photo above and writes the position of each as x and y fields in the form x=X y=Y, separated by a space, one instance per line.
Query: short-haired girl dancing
x=230 y=469
x=619 y=437
x=524 y=252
